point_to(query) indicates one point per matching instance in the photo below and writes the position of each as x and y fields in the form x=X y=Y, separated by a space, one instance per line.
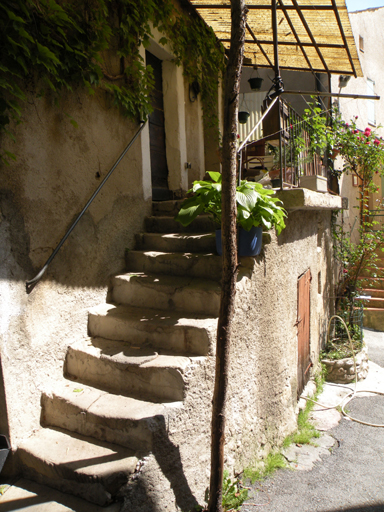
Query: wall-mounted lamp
x=194 y=91
x=343 y=80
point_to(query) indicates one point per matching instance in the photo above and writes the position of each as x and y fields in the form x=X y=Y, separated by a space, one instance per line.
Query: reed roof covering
x=313 y=35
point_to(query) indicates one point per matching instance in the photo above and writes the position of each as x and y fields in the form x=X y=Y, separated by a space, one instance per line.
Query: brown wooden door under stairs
x=303 y=330
x=159 y=168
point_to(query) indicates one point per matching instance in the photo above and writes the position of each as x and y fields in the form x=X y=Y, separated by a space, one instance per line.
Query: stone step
x=176 y=242
x=28 y=496
x=168 y=331
x=374 y=302
x=112 y=418
x=372 y=292
x=75 y=465
x=374 y=318
x=372 y=273
x=207 y=266
x=163 y=224
x=170 y=293
x=123 y=369
x=372 y=282
x=164 y=208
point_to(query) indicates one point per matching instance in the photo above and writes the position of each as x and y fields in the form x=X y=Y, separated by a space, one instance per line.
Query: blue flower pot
x=4 y=450
x=250 y=242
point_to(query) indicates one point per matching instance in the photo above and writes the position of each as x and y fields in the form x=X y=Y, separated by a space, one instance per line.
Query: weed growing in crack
x=267 y=467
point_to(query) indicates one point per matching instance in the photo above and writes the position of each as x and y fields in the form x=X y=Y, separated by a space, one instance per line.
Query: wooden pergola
x=310 y=35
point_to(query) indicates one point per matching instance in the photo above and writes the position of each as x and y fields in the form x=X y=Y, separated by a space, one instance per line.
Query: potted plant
x=288 y=168
x=256 y=209
x=243 y=116
x=255 y=83
x=4 y=450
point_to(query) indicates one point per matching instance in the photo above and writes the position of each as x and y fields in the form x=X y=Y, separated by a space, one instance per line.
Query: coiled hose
x=350 y=396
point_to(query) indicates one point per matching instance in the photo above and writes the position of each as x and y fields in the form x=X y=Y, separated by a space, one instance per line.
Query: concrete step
x=112 y=418
x=75 y=465
x=164 y=208
x=123 y=369
x=170 y=293
x=374 y=318
x=165 y=331
x=163 y=224
x=176 y=242
x=207 y=266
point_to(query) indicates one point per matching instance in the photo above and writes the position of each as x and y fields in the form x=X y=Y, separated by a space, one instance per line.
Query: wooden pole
x=229 y=247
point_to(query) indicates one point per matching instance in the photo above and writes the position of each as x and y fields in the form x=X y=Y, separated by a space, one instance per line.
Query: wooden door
x=303 y=330
x=159 y=168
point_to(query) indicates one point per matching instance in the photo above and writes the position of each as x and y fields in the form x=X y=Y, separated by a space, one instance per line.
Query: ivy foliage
x=63 y=44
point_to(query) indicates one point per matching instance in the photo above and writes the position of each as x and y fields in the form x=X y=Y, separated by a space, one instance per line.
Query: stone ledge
x=305 y=199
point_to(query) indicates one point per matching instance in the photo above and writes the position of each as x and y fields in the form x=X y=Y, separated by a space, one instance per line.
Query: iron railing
x=32 y=282
x=284 y=150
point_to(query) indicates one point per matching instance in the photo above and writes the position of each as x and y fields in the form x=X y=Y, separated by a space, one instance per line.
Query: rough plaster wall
x=262 y=400
x=58 y=168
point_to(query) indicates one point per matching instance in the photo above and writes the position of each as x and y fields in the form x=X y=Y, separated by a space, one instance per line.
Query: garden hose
x=350 y=396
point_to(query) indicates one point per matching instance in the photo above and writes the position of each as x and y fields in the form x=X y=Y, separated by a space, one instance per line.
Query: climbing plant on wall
x=62 y=44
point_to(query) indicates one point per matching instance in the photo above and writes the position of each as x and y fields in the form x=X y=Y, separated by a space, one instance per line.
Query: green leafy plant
x=355 y=258
x=338 y=345
x=274 y=460
x=53 y=45
x=256 y=205
x=233 y=494
x=363 y=152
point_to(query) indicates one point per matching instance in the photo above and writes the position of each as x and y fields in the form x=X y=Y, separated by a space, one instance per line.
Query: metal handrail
x=32 y=282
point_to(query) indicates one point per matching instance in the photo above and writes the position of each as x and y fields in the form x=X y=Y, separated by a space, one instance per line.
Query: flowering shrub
x=363 y=152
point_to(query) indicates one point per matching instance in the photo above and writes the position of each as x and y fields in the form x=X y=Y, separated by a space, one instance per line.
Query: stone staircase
x=139 y=364
x=373 y=287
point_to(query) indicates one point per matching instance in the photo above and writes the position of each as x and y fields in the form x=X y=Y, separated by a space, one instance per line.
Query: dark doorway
x=303 y=330
x=159 y=168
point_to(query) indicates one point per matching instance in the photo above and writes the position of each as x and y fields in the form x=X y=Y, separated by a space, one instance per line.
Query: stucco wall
x=58 y=167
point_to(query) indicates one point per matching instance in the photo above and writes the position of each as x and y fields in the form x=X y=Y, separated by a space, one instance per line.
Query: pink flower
x=290 y=126
x=356 y=117
x=347 y=125
x=376 y=141
x=355 y=131
x=367 y=132
x=345 y=271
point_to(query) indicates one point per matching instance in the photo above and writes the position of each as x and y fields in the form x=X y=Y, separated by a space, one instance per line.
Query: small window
x=371 y=103
x=361 y=44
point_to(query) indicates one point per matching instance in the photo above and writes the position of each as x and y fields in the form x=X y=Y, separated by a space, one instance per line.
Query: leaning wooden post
x=229 y=247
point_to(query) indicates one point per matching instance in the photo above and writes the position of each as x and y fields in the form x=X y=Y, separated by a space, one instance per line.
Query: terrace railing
x=284 y=150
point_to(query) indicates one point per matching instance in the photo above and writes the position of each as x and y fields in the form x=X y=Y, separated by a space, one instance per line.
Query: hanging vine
x=60 y=44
